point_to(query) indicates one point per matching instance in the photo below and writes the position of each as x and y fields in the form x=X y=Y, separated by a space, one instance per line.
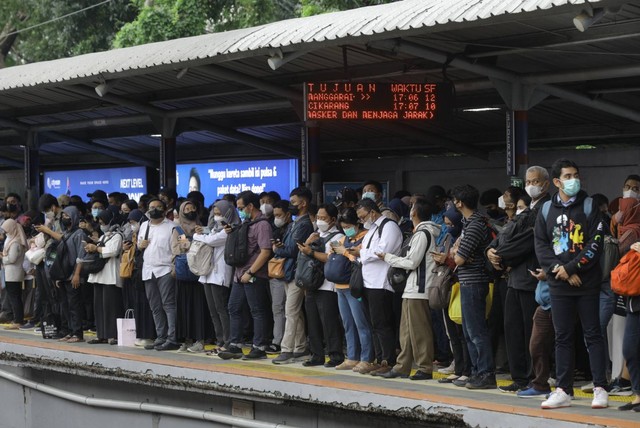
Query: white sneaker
x=197 y=347
x=557 y=399
x=143 y=342
x=448 y=370
x=600 y=398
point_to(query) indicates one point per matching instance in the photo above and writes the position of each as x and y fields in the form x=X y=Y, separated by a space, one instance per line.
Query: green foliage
x=89 y=31
x=316 y=7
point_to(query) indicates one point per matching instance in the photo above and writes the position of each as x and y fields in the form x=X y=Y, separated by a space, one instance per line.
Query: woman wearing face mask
x=322 y=305
x=107 y=286
x=15 y=246
x=357 y=328
x=192 y=322
x=216 y=285
x=460 y=369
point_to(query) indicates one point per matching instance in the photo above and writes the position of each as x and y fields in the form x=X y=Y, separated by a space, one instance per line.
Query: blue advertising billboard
x=132 y=181
x=214 y=180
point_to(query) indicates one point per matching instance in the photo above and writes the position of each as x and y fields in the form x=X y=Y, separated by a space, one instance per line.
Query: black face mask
x=12 y=208
x=156 y=213
x=294 y=210
x=191 y=216
x=66 y=222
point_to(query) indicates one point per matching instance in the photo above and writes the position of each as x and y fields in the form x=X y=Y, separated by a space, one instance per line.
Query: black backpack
x=309 y=270
x=236 y=249
x=58 y=262
x=398 y=276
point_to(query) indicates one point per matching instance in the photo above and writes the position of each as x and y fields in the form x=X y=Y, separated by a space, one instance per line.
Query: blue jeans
x=565 y=310
x=607 y=306
x=256 y=294
x=631 y=349
x=357 y=329
x=474 y=325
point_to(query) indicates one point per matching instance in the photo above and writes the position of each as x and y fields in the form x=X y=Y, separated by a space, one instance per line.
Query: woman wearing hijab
x=107 y=294
x=12 y=258
x=460 y=370
x=217 y=283
x=192 y=322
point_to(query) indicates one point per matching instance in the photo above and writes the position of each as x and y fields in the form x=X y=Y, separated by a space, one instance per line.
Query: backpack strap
x=545 y=209
x=384 y=221
x=587 y=206
x=422 y=269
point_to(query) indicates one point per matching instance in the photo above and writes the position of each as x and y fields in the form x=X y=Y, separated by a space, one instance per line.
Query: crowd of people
x=347 y=285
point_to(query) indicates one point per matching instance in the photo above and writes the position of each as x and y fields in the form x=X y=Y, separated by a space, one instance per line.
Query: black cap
x=345 y=195
x=98 y=195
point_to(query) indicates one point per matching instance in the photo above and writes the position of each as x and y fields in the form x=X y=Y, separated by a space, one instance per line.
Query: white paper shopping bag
x=126 y=329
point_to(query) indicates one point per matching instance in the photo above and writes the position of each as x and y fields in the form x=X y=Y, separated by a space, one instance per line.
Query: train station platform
x=292 y=392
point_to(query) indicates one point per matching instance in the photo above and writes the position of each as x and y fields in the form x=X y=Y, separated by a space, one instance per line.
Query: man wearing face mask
x=294 y=340
x=568 y=240
x=514 y=251
x=155 y=239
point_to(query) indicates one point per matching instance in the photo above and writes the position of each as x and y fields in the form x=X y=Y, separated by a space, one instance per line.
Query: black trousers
x=520 y=305
x=14 y=295
x=107 y=306
x=461 y=359
x=71 y=303
x=323 y=321
x=380 y=304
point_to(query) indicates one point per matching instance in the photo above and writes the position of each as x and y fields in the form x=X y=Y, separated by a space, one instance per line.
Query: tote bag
x=126 y=329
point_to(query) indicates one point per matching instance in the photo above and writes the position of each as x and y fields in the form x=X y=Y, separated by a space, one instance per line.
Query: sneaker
x=347 y=365
x=154 y=344
x=513 y=387
x=12 y=326
x=364 y=367
x=448 y=370
x=312 y=362
x=255 y=354
x=167 y=346
x=143 y=342
x=620 y=387
x=196 y=347
x=556 y=400
x=420 y=375
x=600 y=398
x=232 y=353
x=273 y=349
x=588 y=388
x=184 y=347
x=485 y=381
x=531 y=393
x=27 y=326
x=284 y=358
x=300 y=357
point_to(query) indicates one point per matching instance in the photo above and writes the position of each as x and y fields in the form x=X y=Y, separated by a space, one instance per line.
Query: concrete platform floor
x=317 y=385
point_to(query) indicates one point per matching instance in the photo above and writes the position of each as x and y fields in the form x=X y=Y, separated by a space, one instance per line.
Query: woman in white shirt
x=107 y=286
x=323 y=315
x=217 y=283
x=15 y=246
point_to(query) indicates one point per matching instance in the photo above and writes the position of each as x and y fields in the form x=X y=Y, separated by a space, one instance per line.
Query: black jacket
x=568 y=238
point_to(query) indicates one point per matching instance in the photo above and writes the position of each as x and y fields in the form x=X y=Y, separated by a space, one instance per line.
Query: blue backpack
x=183 y=273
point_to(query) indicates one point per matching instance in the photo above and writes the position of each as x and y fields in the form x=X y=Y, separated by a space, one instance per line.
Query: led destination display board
x=372 y=101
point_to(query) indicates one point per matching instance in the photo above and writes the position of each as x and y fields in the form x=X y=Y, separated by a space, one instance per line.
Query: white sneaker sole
x=555 y=407
x=599 y=406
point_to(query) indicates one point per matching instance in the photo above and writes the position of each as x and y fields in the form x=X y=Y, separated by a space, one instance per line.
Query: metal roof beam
x=93 y=147
x=254 y=82
x=506 y=75
x=11 y=162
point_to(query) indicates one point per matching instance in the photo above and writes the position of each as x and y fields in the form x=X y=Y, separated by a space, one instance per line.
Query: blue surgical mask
x=95 y=212
x=369 y=195
x=350 y=232
x=571 y=187
x=243 y=215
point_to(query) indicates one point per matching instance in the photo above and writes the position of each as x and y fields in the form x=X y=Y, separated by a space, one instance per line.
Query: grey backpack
x=199 y=258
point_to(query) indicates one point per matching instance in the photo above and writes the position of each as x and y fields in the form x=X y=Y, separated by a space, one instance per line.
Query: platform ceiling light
x=156 y=135
x=102 y=89
x=585 y=147
x=588 y=17
x=480 y=109
x=181 y=73
x=278 y=58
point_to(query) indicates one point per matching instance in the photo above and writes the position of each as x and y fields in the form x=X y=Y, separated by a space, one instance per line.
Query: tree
x=91 y=30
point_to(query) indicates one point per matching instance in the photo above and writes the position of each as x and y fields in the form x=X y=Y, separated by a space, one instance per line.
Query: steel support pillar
x=32 y=170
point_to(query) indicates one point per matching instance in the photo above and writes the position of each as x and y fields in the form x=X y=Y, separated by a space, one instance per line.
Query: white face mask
x=279 y=222
x=501 y=203
x=518 y=212
x=135 y=227
x=323 y=226
x=368 y=224
x=534 y=191
x=267 y=209
x=218 y=218
x=369 y=195
x=104 y=228
x=630 y=194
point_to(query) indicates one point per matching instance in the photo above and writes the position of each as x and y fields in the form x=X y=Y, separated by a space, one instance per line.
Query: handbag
x=35 y=255
x=127 y=261
x=455 y=303
x=126 y=329
x=625 y=278
x=276 y=268
x=356 y=282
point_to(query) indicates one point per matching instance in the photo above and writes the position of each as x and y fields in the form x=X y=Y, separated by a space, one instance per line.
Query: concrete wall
x=602 y=170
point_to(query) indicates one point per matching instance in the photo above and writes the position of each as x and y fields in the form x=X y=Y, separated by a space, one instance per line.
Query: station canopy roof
x=219 y=95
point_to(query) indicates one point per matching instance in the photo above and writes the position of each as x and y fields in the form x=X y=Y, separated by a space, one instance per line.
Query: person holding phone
x=217 y=284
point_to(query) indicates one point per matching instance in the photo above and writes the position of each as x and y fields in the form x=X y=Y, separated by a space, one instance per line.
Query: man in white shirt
x=384 y=236
x=160 y=286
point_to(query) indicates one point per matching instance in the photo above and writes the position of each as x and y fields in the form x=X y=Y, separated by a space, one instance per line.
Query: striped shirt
x=474 y=240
